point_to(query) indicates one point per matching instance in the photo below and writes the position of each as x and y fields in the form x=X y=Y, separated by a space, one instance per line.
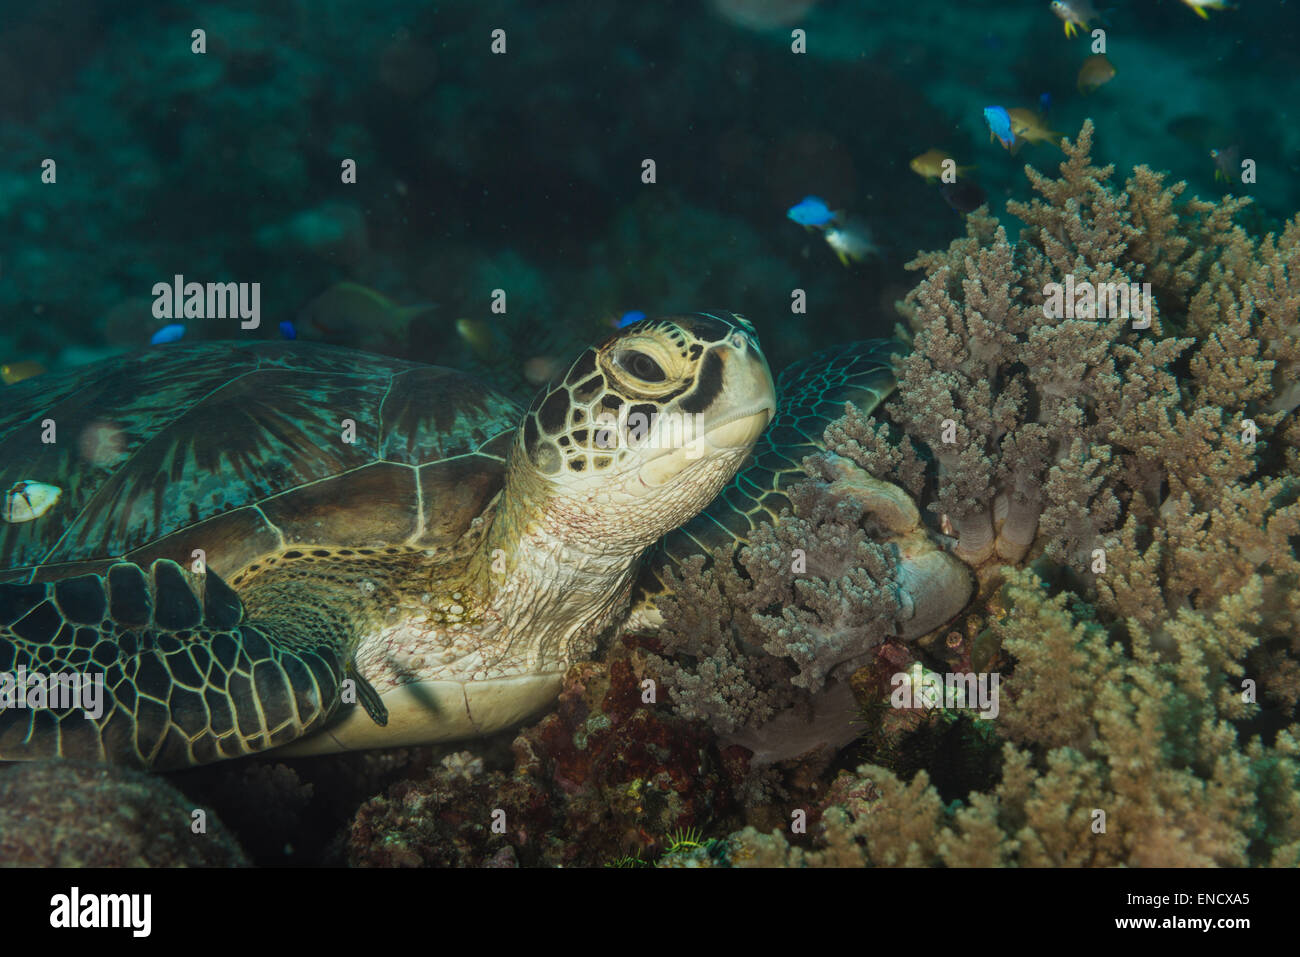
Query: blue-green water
x=495 y=185
x=522 y=170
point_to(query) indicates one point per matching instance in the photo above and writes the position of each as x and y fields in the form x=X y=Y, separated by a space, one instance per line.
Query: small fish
x=350 y=314
x=964 y=196
x=542 y=369
x=930 y=165
x=812 y=212
x=1227 y=163
x=478 y=336
x=999 y=124
x=288 y=330
x=629 y=317
x=1044 y=103
x=28 y=500
x=170 y=333
x=1200 y=6
x=1031 y=127
x=851 y=242
x=1096 y=72
x=1076 y=14
x=16 y=372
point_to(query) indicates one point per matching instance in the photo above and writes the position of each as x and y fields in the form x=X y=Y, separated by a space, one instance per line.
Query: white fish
x=852 y=242
x=28 y=500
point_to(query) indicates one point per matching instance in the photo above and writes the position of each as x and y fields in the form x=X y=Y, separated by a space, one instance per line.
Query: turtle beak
x=743 y=405
x=751 y=395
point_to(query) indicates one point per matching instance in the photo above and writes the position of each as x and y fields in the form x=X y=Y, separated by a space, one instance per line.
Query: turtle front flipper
x=811 y=395
x=158 y=670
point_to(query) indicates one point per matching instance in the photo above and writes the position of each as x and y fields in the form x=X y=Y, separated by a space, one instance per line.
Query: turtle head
x=647 y=427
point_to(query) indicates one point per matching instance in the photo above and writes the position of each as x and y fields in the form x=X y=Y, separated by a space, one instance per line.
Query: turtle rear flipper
x=147 y=669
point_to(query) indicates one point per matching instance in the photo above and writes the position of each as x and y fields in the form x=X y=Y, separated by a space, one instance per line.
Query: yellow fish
x=478 y=336
x=1200 y=6
x=930 y=165
x=1076 y=14
x=851 y=242
x=1030 y=127
x=1227 y=163
x=1096 y=72
x=353 y=315
x=16 y=372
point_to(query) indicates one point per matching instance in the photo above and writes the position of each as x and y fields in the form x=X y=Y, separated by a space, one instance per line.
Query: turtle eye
x=641 y=366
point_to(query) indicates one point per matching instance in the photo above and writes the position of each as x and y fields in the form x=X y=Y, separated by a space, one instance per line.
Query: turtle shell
x=241 y=449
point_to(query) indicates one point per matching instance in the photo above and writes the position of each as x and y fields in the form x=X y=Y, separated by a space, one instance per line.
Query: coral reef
x=1056 y=428
x=1155 y=466
x=1126 y=498
x=1118 y=758
x=1145 y=465
x=294 y=811
x=1123 y=495
x=75 y=814
x=761 y=648
x=605 y=778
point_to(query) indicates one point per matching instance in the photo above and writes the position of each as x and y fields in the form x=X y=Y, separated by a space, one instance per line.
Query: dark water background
x=522 y=171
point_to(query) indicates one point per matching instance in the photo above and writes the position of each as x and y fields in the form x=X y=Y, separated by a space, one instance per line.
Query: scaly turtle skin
x=246 y=541
x=813 y=394
x=248 y=538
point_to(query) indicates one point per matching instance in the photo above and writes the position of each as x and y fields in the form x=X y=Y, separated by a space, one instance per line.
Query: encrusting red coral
x=607 y=776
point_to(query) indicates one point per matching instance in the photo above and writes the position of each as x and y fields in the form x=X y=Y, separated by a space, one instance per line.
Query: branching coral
x=1118 y=758
x=1146 y=462
x=1051 y=427
x=760 y=648
x=772 y=627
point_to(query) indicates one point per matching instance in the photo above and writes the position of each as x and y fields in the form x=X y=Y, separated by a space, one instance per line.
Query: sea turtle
x=268 y=544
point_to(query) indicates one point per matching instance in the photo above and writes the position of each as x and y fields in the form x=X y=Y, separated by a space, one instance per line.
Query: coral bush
x=1060 y=428
x=1118 y=758
x=743 y=646
x=760 y=645
x=1145 y=463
